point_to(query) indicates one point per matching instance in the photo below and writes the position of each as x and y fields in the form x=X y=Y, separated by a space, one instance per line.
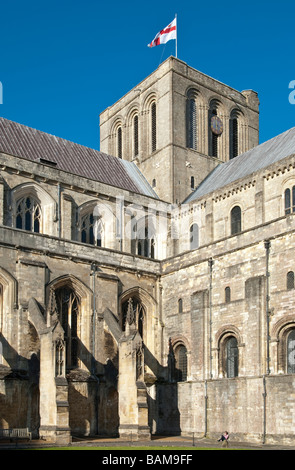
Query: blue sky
x=63 y=62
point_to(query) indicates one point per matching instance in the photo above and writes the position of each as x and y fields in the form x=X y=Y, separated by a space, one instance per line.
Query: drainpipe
x=210 y=262
x=264 y=394
x=206 y=410
x=267 y=310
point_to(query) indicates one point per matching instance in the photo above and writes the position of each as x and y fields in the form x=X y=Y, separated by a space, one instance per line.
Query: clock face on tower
x=216 y=125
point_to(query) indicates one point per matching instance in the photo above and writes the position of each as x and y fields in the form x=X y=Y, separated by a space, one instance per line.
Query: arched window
x=119 y=142
x=232 y=357
x=91 y=229
x=144 y=234
x=233 y=135
x=214 y=134
x=68 y=305
x=180 y=306
x=194 y=236
x=290 y=200
x=291 y=352
x=227 y=295
x=236 y=220
x=153 y=126
x=290 y=280
x=191 y=123
x=135 y=136
x=28 y=215
x=180 y=363
x=192 y=182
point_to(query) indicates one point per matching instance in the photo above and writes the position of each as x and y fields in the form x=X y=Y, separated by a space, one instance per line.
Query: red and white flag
x=165 y=35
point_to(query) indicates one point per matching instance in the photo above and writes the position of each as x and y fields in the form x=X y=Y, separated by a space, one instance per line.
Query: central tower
x=177 y=125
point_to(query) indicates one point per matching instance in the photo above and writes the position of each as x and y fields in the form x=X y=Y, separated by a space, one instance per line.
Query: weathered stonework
x=130 y=335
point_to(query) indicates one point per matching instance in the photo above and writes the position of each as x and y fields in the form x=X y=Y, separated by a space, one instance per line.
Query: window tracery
x=28 y=214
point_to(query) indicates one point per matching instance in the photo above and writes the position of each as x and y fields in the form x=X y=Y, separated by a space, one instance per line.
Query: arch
x=280 y=333
x=42 y=201
x=191 y=119
x=74 y=307
x=234 y=133
x=8 y=303
x=290 y=280
x=180 y=305
x=228 y=364
x=82 y=289
x=236 y=220
x=213 y=138
x=150 y=109
x=8 y=281
x=145 y=236
x=194 y=236
x=97 y=224
x=145 y=305
x=133 y=131
x=227 y=295
x=181 y=353
x=117 y=137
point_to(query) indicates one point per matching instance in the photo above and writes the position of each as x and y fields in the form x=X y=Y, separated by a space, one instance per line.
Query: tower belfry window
x=119 y=142
x=154 y=126
x=213 y=135
x=233 y=135
x=191 y=123
x=135 y=135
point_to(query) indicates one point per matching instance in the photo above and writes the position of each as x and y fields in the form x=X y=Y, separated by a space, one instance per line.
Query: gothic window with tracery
x=68 y=305
x=91 y=229
x=28 y=215
x=146 y=245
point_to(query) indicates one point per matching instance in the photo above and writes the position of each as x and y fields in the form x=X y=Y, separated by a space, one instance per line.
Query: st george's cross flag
x=165 y=35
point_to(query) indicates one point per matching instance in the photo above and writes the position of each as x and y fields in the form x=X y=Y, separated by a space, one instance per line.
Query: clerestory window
x=91 y=229
x=28 y=215
x=236 y=220
x=289 y=200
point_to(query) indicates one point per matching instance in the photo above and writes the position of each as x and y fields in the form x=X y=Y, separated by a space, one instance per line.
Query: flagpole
x=176 y=36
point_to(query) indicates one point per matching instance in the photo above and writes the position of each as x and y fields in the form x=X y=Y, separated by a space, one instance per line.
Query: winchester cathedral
x=148 y=288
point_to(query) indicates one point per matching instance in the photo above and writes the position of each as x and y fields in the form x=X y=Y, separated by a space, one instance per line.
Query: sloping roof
x=254 y=160
x=31 y=144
